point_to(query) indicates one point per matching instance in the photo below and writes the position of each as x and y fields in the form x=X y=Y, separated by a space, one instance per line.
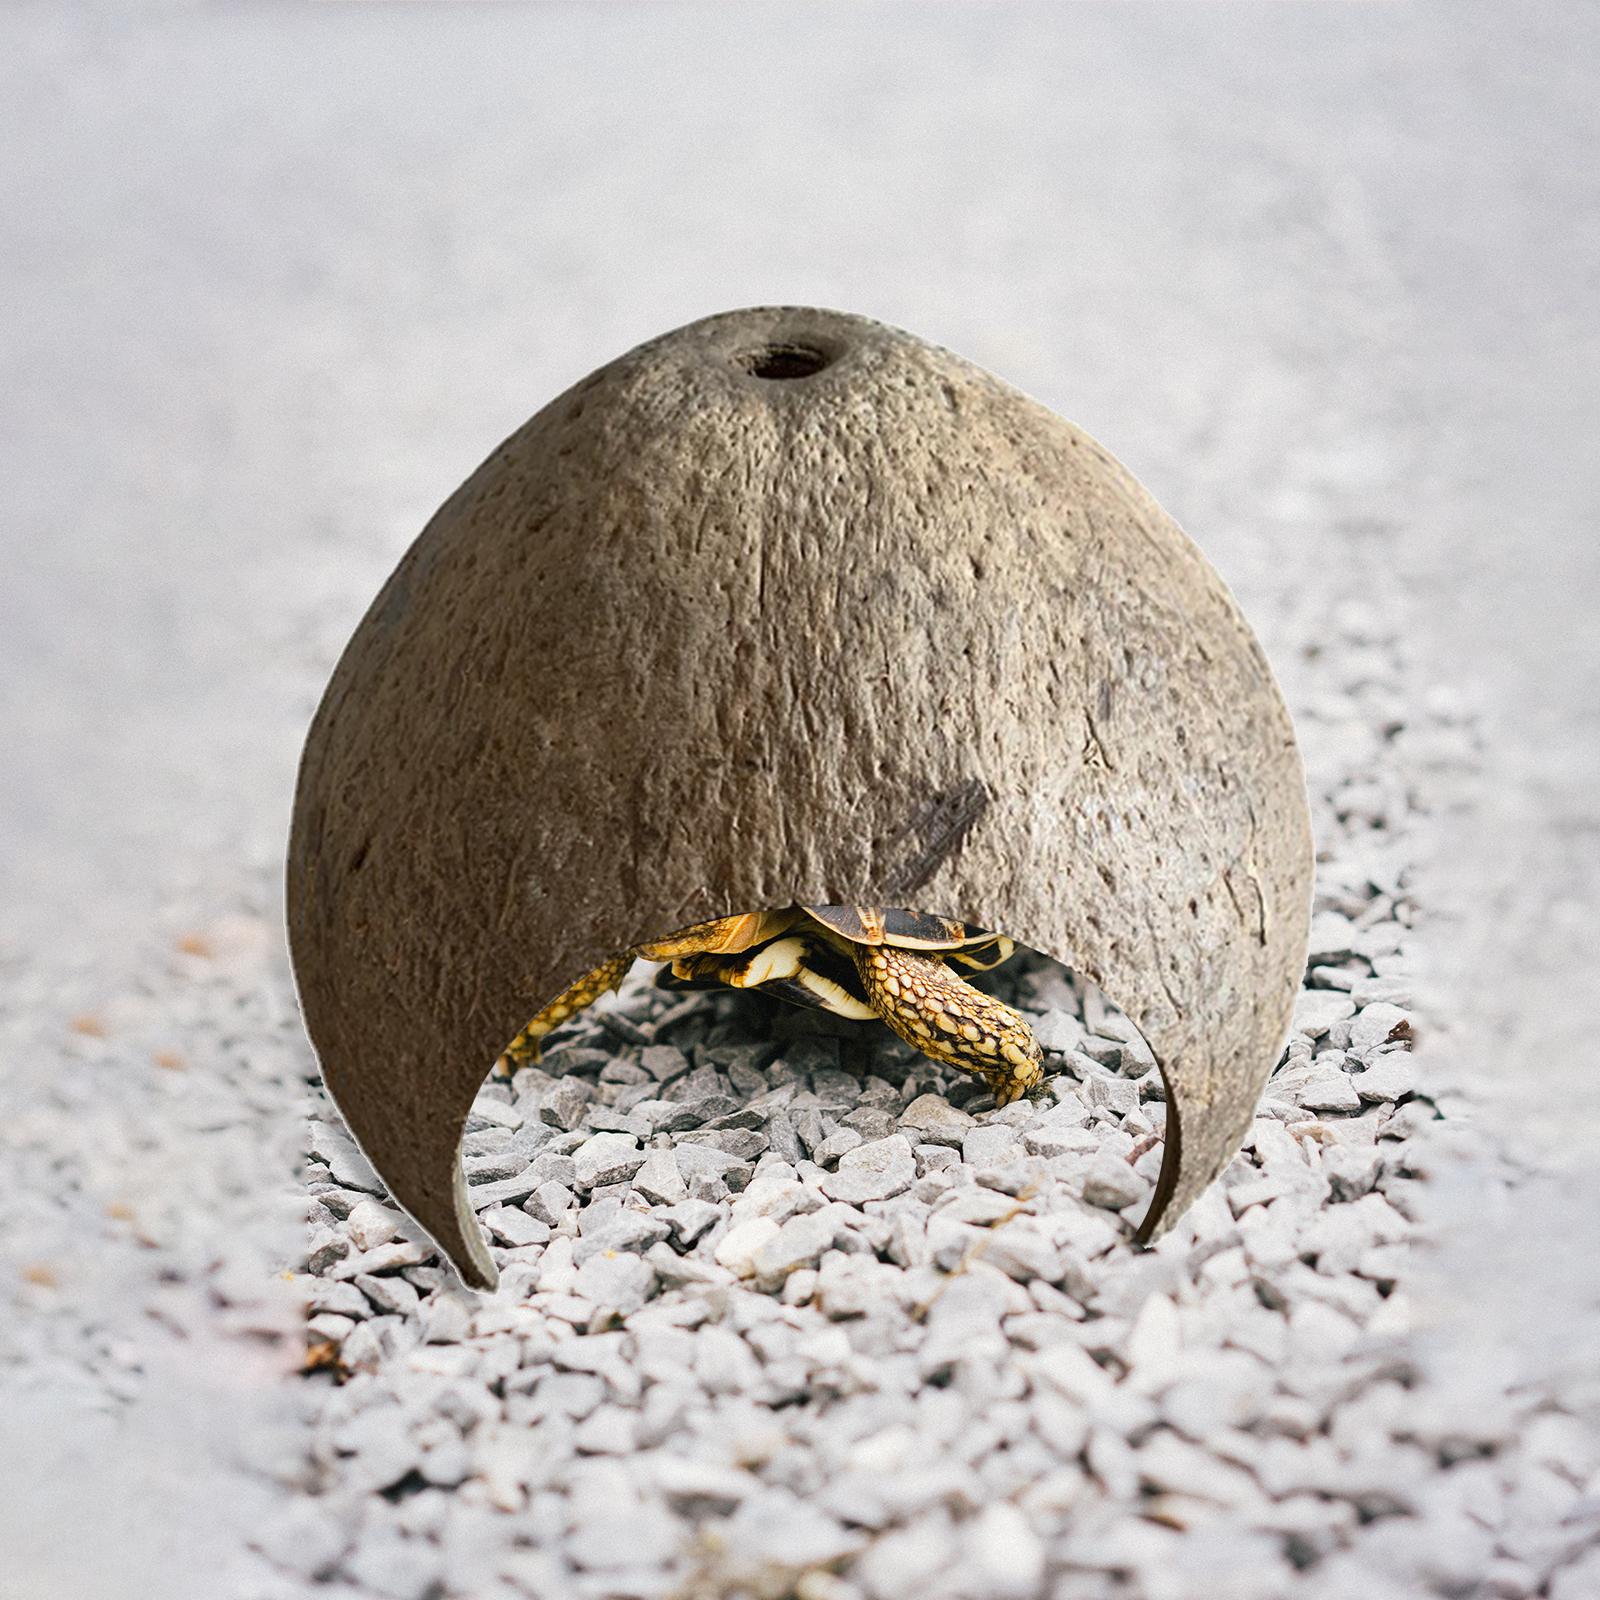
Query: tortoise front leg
x=723 y=933
x=524 y=1049
x=950 y=1021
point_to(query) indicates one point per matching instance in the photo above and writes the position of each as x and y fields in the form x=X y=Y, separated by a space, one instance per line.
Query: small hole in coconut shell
x=780 y=361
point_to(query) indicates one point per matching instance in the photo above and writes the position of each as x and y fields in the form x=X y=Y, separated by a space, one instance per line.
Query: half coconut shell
x=789 y=606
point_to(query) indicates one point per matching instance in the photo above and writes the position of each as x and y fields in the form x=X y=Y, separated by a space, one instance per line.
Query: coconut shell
x=789 y=606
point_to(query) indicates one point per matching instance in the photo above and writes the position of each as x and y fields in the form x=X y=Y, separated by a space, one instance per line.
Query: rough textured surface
x=844 y=619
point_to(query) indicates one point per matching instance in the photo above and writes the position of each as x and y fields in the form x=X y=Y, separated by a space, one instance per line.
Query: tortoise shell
x=909 y=930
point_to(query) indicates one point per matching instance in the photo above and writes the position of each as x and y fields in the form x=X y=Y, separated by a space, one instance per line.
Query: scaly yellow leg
x=721 y=934
x=524 y=1049
x=950 y=1021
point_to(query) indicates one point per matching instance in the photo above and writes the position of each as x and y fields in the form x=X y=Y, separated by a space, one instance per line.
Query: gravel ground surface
x=805 y=1314
x=786 y=1310
x=799 y=1314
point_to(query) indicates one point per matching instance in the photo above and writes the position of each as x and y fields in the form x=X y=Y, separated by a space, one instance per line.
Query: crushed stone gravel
x=806 y=1314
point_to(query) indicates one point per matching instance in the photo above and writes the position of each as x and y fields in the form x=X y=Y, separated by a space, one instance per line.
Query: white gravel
x=897 y=1344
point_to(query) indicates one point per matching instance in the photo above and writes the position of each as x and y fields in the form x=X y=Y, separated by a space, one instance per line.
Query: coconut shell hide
x=789 y=606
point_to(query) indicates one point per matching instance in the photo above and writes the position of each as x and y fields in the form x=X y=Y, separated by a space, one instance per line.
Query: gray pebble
x=705 y=1166
x=853 y=1285
x=1111 y=1182
x=391 y=1564
x=445 y=1318
x=446 y=1463
x=1117 y=1095
x=990 y=1144
x=350 y=1169
x=372 y=1223
x=1005 y=1557
x=1579 y=1580
x=565 y=1104
x=504 y=1191
x=828 y=1152
x=1390 y=1076
x=742 y=1062
x=743 y=1144
x=1103 y=1053
x=612 y=1119
x=659 y=1180
x=689 y=1219
x=608 y=1431
x=871 y=1122
x=343 y=1299
x=305 y=1537
x=1329 y=1091
x=489 y=1112
x=810 y=1127
x=875 y=1171
x=625 y=1230
x=1385 y=990
x=384 y=1258
x=663 y=1062
x=931 y=1119
x=549 y=1203
x=515 y=1227
x=325 y=1249
x=620 y=1026
x=701 y=1084
x=1059 y=1031
x=557 y=1166
x=668 y=1116
x=616 y=1282
x=606 y=1158
x=495 y=1168
x=1333 y=939
x=1316 y=1010
x=799 y=1242
x=1376 y=1024
x=774 y=1528
x=393 y=1295
x=1060 y=1132
x=737 y=1248
x=835 y=1088
x=1023 y=1250
x=782 y=1138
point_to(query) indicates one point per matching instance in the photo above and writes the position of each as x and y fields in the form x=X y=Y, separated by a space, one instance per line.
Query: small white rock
x=1375 y=1024
x=1110 y=1182
x=1329 y=1091
x=1391 y=1076
x=371 y=1223
x=739 y=1246
x=1004 y=1552
x=1316 y=1010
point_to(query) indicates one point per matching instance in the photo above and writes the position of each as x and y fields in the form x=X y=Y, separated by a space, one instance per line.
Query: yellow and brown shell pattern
x=856 y=961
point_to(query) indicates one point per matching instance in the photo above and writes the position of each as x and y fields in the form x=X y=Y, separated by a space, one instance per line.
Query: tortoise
x=855 y=961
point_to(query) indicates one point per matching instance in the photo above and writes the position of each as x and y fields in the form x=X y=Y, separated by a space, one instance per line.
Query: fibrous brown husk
x=789 y=606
